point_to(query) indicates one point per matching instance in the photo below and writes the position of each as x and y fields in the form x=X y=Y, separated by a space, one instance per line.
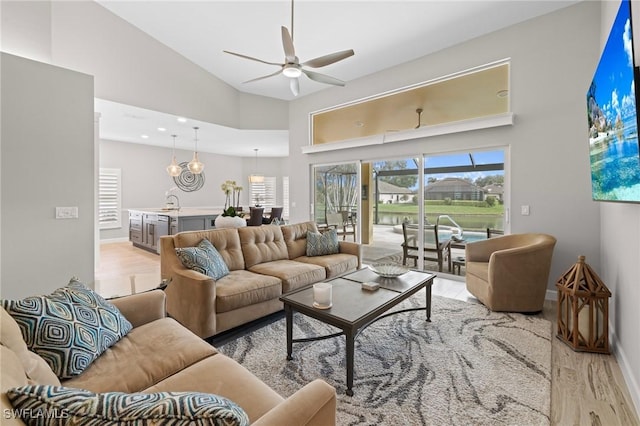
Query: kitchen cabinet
x=145 y=229
x=146 y=226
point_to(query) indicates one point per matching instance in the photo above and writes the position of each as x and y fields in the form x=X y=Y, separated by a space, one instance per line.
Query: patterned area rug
x=469 y=366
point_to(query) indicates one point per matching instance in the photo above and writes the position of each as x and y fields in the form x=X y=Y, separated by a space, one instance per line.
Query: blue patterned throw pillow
x=204 y=258
x=69 y=328
x=56 y=405
x=322 y=244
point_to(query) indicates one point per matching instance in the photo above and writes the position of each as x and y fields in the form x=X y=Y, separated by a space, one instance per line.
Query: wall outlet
x=66 y=212
x=524 y=210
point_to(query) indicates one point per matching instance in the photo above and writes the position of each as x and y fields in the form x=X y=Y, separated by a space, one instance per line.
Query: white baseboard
x=114 y=240
x=625 y=367
x=551 y=295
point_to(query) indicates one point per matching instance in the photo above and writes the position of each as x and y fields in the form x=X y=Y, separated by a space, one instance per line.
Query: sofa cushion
x=226 y=241
x=244 y=288
x=79 y=406
x=293 y=274
x=203 y=258
x=148 y=354
x=223 y=376
x=322 y=244
x=261 y=244
x=35 y=368
x=295 y=237
x=69 y=328
x=335 y=264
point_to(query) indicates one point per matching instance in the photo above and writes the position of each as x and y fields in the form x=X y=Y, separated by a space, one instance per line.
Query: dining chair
x=255 y=217
x=275 y=215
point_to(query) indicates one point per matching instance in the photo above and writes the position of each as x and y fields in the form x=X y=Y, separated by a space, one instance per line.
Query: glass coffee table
x=354 y=308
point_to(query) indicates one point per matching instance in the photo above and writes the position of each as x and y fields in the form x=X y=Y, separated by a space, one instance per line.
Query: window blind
x=109 y=199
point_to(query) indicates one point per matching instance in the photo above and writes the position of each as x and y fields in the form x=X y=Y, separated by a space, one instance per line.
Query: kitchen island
x=147 y=225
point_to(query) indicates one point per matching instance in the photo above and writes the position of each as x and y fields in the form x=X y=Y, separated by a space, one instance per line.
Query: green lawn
x=412 y=209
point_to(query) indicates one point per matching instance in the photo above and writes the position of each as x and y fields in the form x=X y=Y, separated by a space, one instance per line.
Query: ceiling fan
x=292 y=67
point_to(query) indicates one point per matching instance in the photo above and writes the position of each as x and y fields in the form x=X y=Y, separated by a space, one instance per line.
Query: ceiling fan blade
x=294 y=84
x=251 y=58
x=322 y=78
x=331 y=58
x=263 y=77
x=287 y=44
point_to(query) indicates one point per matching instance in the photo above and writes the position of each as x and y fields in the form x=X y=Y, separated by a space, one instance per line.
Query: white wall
x=552 y=60
x=620 y=251
x=47 y=161
x=129 y=66
x=145 y=180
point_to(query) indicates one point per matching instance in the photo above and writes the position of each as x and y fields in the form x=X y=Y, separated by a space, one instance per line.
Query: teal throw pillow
x=204 y=258
x=322 y=244
x=69 y=328
x=55 y=405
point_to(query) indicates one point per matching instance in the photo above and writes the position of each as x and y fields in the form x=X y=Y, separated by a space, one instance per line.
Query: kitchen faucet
x=170 y=204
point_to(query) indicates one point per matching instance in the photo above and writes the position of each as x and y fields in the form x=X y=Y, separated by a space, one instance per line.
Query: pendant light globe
x=195 y=166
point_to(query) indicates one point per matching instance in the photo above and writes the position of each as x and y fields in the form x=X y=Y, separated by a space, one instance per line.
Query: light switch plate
x=524 y=210
x=66 y=212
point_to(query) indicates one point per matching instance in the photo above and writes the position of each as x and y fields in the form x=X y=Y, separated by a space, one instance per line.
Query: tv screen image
x=613 y=119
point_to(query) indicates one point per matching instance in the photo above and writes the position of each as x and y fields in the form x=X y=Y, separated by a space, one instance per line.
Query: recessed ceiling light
x=182 y=120
x=144 y=136
x=162 y=129
x=502 y=93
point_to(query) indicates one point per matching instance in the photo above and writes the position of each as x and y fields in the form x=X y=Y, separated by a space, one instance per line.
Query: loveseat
x=263 y=261
x=158 y=355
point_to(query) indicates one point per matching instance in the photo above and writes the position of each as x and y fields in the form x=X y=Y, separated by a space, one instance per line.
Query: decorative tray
x=389 y=270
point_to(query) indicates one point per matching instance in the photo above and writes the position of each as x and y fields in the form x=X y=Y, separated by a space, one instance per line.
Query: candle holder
x=322 y=295
x=583 y=309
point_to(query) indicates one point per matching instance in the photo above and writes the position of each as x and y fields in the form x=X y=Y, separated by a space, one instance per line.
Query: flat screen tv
x=612 y=115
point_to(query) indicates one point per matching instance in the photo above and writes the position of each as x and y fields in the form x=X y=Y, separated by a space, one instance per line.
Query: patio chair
x=343 y=223
x=436 y=252
x=494 y=233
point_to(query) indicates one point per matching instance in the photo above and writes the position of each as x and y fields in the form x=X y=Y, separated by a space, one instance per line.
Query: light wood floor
x=586 y=389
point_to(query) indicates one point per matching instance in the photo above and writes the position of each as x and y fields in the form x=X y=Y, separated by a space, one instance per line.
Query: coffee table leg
x=289 y=319
x=350 y=343
x=428 y=292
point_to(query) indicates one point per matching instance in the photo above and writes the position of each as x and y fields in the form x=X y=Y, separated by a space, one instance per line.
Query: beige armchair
x=510 y=273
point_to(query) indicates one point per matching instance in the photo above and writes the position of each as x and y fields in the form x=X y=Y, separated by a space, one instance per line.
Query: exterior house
x=78 y=50
x=392 y=194
x=453 y=189
x=496 y=191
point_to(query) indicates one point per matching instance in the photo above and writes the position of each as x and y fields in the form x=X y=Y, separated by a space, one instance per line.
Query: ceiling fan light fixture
x=292 y=71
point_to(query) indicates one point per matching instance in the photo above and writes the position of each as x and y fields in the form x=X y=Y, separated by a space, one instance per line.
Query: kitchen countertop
x=183 y=212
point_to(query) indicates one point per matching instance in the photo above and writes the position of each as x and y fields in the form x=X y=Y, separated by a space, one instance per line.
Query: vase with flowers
x=230 y=217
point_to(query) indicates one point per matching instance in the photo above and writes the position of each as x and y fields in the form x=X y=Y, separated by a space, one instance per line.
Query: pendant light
x=174 y=169
x=254 y=178
x=195 y=166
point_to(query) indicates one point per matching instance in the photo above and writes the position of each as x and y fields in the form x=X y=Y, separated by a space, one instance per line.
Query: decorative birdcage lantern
x=583 y=309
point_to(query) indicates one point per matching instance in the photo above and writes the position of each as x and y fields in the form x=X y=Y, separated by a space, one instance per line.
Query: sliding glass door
x=337 y=195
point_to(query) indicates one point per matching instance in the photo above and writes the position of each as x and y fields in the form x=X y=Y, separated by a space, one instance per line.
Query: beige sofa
x=160 y=355
x=510 y=273
x=264 y=262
